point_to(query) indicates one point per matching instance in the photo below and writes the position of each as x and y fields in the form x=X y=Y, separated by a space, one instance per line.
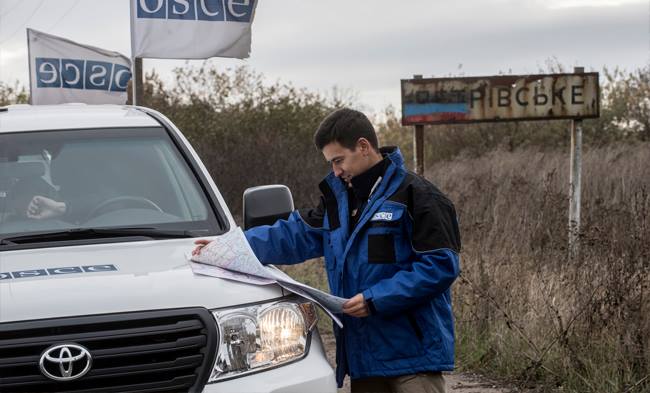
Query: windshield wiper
x=98 y=233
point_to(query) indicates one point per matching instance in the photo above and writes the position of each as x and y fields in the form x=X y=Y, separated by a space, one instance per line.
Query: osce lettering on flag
x=64 y=71
x=191 y=29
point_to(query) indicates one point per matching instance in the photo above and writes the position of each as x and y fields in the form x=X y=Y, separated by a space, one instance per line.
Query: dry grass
x=524 y=310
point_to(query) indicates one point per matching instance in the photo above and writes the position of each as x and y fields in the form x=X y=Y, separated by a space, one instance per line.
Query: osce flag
x=64 y=71
x=191 y=29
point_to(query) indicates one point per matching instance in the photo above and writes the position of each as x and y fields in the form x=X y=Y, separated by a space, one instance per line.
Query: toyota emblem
x=65 y=362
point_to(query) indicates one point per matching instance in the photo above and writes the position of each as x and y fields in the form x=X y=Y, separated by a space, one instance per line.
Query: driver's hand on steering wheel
x=41 y=208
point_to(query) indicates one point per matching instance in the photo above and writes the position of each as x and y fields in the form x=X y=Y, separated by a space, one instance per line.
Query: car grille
x=154 y=351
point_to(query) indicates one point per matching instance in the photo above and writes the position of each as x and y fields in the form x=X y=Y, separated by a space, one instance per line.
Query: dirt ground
x=456 y=382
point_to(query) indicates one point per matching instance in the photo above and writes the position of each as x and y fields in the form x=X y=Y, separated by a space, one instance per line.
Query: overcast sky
x=367 y=46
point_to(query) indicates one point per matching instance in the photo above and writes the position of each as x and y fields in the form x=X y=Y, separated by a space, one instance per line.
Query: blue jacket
x=402 y=255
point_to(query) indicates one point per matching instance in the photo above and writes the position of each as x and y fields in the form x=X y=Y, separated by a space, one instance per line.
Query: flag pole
x=139 y=82
x=133 y=88
x=134 y=101
x=31 y=71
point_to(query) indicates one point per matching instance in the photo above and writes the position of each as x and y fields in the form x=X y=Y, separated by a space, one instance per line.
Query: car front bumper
x=313 y=374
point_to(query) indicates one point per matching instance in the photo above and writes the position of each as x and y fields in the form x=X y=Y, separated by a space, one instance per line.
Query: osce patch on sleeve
x=382 y=216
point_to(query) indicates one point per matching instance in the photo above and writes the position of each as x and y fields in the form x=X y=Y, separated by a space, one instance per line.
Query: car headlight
x=258 y=337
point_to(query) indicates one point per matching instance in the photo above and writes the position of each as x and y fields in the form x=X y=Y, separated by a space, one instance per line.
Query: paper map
x=230 y=256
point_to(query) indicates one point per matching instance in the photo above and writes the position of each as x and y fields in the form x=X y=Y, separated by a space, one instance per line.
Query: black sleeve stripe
x=314 y=217
x=330 y=204
x=435 y=224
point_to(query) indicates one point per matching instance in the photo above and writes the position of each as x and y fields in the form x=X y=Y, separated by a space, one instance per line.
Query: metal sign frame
x=459 y=97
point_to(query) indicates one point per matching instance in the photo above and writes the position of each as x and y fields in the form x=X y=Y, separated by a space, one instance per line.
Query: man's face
x=347 y=163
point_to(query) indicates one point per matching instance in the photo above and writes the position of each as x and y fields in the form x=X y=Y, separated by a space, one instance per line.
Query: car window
x=98 y=178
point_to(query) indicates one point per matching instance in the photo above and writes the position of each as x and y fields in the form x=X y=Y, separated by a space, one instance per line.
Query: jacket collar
x=389 y=183
x=334 y=189
x=392 y=152
x=365 y=183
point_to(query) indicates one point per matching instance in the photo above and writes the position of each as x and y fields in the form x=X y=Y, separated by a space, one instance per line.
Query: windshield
x=61 y=180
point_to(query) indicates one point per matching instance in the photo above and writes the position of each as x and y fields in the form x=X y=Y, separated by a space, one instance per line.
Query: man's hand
x=356 y=306
x=41 y=208
x=199 y=245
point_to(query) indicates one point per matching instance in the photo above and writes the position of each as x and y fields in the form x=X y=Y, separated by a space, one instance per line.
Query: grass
x=524 y=310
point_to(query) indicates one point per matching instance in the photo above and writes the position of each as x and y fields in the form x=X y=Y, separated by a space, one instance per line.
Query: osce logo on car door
x=202 y=10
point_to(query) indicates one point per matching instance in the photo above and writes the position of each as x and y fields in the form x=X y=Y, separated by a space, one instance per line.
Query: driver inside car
x=41 y=207
x=72 y=209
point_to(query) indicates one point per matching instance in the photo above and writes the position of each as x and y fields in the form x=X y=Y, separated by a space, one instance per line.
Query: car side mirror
x=264 y=205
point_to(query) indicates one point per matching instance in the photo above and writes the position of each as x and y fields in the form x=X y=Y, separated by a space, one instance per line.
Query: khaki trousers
x=414 y=383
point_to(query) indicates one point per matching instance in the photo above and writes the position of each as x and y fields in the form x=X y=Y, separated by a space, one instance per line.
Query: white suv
x=99 y=206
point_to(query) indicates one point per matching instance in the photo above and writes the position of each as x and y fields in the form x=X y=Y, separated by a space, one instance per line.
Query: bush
x=15 y=94
x=524 y=309
x=246 y=132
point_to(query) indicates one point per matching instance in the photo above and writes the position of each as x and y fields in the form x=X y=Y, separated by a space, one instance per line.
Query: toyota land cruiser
x=99 y=206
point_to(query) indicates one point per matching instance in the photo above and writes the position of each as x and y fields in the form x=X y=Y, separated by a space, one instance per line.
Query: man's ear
x=364 y=145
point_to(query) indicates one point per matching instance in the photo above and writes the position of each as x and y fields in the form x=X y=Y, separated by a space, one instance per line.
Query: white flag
x=64 y=71
x=191 y=29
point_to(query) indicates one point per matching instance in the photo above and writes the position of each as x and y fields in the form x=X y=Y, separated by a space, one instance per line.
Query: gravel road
x=456 y=382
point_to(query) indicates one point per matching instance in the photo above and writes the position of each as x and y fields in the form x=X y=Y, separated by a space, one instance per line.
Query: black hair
x=345 y=126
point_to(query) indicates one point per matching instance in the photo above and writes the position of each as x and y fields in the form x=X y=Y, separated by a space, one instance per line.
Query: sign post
x=573 y=96
x=418 y=144
x=418 y=149
x=575 y=183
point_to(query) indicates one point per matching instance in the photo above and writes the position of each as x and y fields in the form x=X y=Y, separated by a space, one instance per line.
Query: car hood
x=109 y=278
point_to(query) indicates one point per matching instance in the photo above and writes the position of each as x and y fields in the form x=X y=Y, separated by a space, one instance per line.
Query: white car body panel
x=148 y=275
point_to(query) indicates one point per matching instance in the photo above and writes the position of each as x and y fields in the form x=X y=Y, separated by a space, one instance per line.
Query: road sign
x=500 y=98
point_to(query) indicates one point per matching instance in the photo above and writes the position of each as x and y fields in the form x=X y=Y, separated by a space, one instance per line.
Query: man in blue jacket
x=391 y=242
